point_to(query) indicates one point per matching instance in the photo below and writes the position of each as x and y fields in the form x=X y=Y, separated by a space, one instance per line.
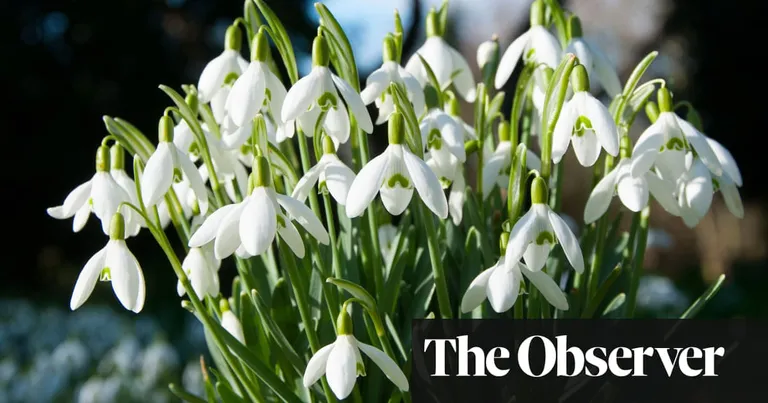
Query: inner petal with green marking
x=545 y=237
x=106 y=274
x=327 y=100
x=398 y=179
x=434 y=140
x=581 y=126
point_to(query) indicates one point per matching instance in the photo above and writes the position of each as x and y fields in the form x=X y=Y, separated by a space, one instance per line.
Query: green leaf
x=184 y=395
x=558 y=17
x=227 y=395
x=602 y=291
x=132 y=140
x=413 y=134
x=696 y=307
x=356 y=291
x=285 y=348
x=521 y=88
x=252 y=20
x=615 y=304
x=442 y=17
x=518 y=178
x=328 y=21
x=396 y=338
x=433 y=80
x=632 y=82
x=402 y=254
x=281 y=39
x=315 y=293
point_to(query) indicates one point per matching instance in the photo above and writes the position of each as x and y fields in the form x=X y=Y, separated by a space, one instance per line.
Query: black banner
x=604 y=361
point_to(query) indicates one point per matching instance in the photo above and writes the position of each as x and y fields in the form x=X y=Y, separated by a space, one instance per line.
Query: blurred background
x=66 y=64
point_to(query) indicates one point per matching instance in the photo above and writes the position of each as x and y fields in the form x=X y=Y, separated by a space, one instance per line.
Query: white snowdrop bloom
x=537 y=42
x=394 y=174
x=117 y=170
x=377 y=85
x=672 y=136
x=443 y=137
x=387 y=234
x=113 y=263
x=234 y=185
x=446 y=62
x=218 y=104
x=694 y=191
x=633 y=181
x=341 y=362
x=318 y=92
x=536 y=232
x=332 y=175
x=500 y=284
x=185 y=141
x=236 y=137
x=451 y=176
x=254 y=222
x=728 y=183
x=229 y=62
x=230 y=322
x=102 y=195
x=595 y=61
x=167 y=164
x=488 y=52
x=202 y=269
x=498 y=163
x=585 y=122
x=257 y=89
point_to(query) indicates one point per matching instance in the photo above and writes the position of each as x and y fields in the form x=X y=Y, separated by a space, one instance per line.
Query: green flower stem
x=335 y=258
x=548 y=122
x=300 y=293
x=441 y=286
x=639 y=257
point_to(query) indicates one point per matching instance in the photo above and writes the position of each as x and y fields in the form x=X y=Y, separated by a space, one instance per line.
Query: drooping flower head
x=222 y=66
x=331 y=174
x=595 y=61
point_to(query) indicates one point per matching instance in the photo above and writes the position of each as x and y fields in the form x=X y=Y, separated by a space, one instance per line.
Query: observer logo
x=571 y=361
x=588 y=360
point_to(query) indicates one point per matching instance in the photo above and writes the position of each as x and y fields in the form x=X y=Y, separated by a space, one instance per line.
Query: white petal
x=210 y=226
x=303 y=215
x=247 y=95
x=503 y=287
x=388 y=366
x=456 y=199
x=633 y=192
x=158 y=175
x=601 y=196
x=491 y=172
x=238 y=137
x=602 y=123
x=366 y=185
x=127 y=278
x=699 y=189
x=232 y=325
x=651 y=138
x=375 y=84
x=510 y=58
x=258 y=222
x=464 y=83
x=426 y=184
x=308 y=181
x=106 y=196
x=73 y=202
x=437 y=54
x=568 y=241
x=316 y=365
x=415 y=92
x=338 y=180
x=195 y=182
x=547 y=287
x=476 y=292
x=586 y=147
x=336 y=124
x=300 y=96
x=81 y=217
x=535 y=255
x=642 y=163
x=308 y=120
x=563 y=131
x=605 y=72
x=341 y=368
x=732 y=198
x=355 y=104
x=663 y=192
x=291 y=236
x=547 y=48
x=87 y=279
x=726 y=161
x=521 y=235
x=214 y=73
x=701 y=145
x=228 y=234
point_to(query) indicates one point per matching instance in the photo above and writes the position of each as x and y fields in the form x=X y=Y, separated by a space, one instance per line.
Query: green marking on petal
x=280 y=221
x=231 y=78
x=396 y=179
x=267 y=96
x=545 y=237
x=327 y=100
x=322 y=188
x=177 y=175
x=581 y=126
x=105 y=275
x=675 y=143
x=434 y=139
x=360 y=369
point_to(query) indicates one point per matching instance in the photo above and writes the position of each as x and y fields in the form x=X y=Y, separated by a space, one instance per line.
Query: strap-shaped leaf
x=281 y=39
x=332 y=26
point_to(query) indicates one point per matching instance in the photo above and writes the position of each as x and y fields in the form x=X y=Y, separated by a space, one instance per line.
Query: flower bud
x=343 y=323
x=117 y=156
x=102 y=159
x=233 y=39
x=117 y=227
x=579 y=78
x=574 y=27
x=261 y=175
x=328 y=146
x=504 y=130
x=538 y=191
x=395 y=128
x=165 y=129
x=259 y=46
x=192 y=101
x=488 y=51
x=503 y=241
x=664 y=98
x=652 y=111
x=320 y=52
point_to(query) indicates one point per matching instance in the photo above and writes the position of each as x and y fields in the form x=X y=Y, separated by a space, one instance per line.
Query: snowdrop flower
x=319 y=92
x=117 y=170
x=451 y=176
x=377 y=85
x=202 y=268
x=227 y=63
x=694 y=191
x=230 y=322
x=632 y=180
x=257 y=88
x=395 y=173
x=341 y=362
x=113 y=263
x=165 y=165
x=443 y=137
x=536 y=232
x=728 y=183
x=249 y=227
x=101 y=195
x=488 y=52
x=446 y=62
x=332 y=174
x=185 y=141
x=500 y=284
x=546 y=49
x=499 y=161
x=671 y=135
x=586 y=123
x=595 y=61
